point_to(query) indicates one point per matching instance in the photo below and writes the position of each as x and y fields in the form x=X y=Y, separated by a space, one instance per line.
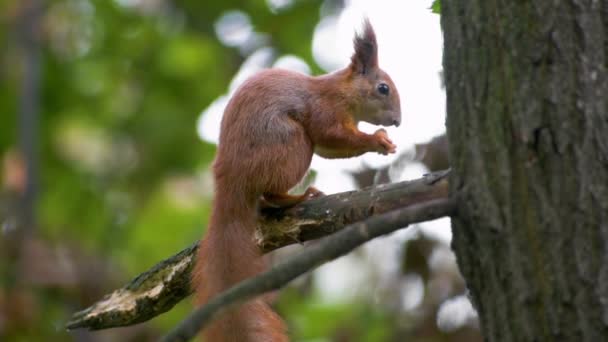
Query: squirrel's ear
x=365 y=57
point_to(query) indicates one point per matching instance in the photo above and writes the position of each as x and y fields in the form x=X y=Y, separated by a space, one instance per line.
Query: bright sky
x=410 y=50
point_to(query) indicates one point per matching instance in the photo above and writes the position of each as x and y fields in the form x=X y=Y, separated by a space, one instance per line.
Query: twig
x=330 y=248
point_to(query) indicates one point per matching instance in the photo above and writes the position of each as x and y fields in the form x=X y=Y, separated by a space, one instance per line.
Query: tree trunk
x=527 y=101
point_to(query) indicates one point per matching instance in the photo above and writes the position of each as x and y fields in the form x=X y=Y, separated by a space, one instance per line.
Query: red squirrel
x=271 y=127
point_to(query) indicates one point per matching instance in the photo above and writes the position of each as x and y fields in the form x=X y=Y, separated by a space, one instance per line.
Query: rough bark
x=168 y=282
x=527 y=100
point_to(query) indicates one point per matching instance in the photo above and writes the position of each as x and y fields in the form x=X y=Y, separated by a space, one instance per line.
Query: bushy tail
x=226 y=256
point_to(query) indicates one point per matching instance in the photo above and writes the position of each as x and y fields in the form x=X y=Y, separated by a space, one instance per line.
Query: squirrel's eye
x=383 y=88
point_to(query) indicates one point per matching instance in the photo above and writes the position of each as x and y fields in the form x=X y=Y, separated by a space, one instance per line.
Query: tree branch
x=328 y=249
x=168 y=282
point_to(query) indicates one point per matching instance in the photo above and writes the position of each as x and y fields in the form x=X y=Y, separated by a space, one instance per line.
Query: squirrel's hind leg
x=270 y=200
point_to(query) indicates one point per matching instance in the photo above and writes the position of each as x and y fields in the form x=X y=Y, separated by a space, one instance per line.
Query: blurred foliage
x=124 y=177
x=314 y=320
x=436 y=6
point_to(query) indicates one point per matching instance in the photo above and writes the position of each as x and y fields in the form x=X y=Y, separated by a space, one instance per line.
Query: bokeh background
x=109 y=115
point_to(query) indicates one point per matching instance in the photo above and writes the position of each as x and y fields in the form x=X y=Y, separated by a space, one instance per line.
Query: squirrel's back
x=263 y=146
x=269 y=92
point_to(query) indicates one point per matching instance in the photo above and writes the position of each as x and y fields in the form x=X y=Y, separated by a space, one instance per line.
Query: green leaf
x=436 y=7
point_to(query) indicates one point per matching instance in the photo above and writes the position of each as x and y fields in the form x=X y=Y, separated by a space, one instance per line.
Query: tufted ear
x=365 y=57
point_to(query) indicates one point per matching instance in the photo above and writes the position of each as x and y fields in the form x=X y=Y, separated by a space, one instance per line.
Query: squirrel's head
x=378 y=100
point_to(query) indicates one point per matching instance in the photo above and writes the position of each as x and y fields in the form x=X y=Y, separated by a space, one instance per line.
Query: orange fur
x=271 y=127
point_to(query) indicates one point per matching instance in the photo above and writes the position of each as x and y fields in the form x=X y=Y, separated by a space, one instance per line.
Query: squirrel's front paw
x=385 y=145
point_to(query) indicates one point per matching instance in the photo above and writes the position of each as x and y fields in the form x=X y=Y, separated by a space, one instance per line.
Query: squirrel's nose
x=396 y=122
